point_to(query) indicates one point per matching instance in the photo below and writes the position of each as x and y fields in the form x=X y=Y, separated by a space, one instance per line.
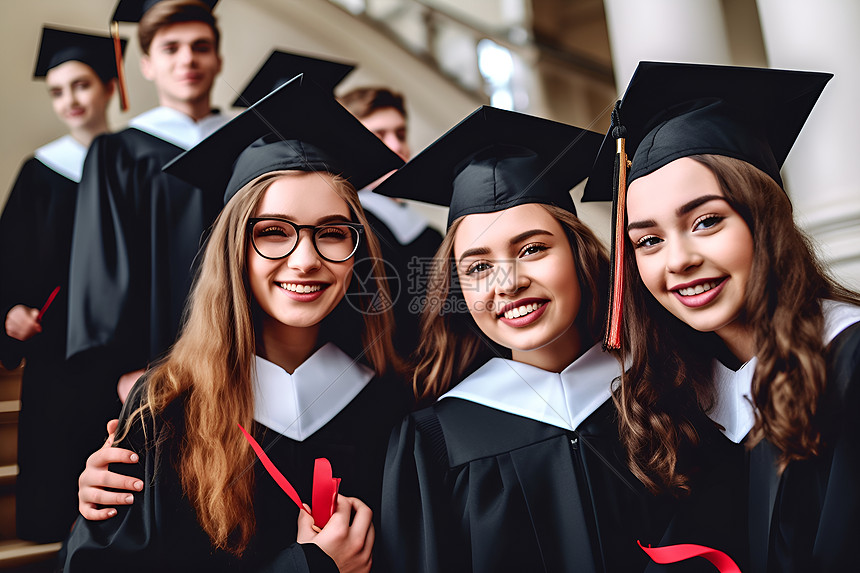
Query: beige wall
x=251 y=29
x=25 y=111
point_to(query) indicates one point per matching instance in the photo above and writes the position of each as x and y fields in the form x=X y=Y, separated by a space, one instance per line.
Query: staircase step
x=9 y=432
x=10 y=383
x=25 y=556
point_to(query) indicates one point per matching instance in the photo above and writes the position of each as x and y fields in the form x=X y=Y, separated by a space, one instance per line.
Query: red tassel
x=612 y=335
x=120 y=70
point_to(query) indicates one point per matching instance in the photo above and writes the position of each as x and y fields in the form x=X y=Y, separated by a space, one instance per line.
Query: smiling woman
x=693 y=250
x=516 y=465
x=80 y=98
x=519 y=285
x=728 y=312
x=272 y=344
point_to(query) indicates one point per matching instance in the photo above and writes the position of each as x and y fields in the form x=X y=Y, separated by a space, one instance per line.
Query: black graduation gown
x=407 y=278
x=808 y=519
x=159 y=532
x=137 y=233
x=471 y=488
x=63 y=413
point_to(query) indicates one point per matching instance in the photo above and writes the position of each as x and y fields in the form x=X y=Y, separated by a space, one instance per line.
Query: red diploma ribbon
x=324 y=494
x=675 y=553
x=48 y=302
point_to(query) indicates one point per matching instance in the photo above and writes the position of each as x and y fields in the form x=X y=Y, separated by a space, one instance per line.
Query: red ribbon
x=324 y=494
x=675 y=553
x=48 y=302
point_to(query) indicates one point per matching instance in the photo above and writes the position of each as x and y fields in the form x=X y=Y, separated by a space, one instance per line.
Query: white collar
x=298 y=404
x=405 y=223
x=64 y=156
x=562 y=399
x=733 y=408
x=175 y=127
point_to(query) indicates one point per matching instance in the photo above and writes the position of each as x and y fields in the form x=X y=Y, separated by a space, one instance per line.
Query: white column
x=665 y=30
x=820 y=172
x=660 y=30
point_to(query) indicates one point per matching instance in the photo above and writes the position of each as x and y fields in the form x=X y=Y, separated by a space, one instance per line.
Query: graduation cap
x=281 y=67
x=299 y=126
x=61 y=46
x=132 y=11
x=497 y=159
x=674 y=110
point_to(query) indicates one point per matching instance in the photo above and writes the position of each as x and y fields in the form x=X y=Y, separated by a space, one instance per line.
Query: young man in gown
x=138 y=230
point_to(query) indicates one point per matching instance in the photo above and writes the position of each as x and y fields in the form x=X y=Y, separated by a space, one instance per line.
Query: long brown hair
x=211 y=366
x=451 y=344
x=669 y=382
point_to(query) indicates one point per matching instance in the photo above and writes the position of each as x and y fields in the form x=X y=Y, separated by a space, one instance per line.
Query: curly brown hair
x=669 y=381
x=451 y=344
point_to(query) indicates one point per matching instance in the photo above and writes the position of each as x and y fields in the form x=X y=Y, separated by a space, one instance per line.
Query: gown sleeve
x=159 y=531
x=839 y=527
x=417 y=531
x=129 y=540
x=11 y=234
x=102 y=280
x=300 y=558
x=817 y=513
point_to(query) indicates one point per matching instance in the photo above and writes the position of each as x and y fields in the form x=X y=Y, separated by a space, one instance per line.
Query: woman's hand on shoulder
x=92 y=484
x=348 y=536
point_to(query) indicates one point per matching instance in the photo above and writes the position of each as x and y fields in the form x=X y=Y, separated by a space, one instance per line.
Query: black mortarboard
x=281 y=67
x=133 y=10
x=496 y=159
x=299 y=126
x=61 y=46
x=673 y=110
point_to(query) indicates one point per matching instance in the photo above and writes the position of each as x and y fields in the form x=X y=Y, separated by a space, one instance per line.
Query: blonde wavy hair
x=210 y=366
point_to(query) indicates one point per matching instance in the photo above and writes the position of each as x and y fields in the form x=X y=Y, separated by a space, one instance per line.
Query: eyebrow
x=169 y=41
x=477 y=251
x=74 y=80
x=679 y=212
x=320 y=221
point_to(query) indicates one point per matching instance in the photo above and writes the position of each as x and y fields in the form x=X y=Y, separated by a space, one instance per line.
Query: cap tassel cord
x=612 y=336
x=120 y=70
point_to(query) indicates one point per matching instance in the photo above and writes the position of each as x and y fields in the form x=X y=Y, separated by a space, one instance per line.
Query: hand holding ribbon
x=324 y=494
x=48 y=302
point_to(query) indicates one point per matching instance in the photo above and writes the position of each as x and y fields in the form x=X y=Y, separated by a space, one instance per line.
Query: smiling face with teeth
x=297 y=292
x=518 y=277
x=693 y=250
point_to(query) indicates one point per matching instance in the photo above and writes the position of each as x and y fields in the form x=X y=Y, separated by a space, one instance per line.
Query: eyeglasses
x=277 y=238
